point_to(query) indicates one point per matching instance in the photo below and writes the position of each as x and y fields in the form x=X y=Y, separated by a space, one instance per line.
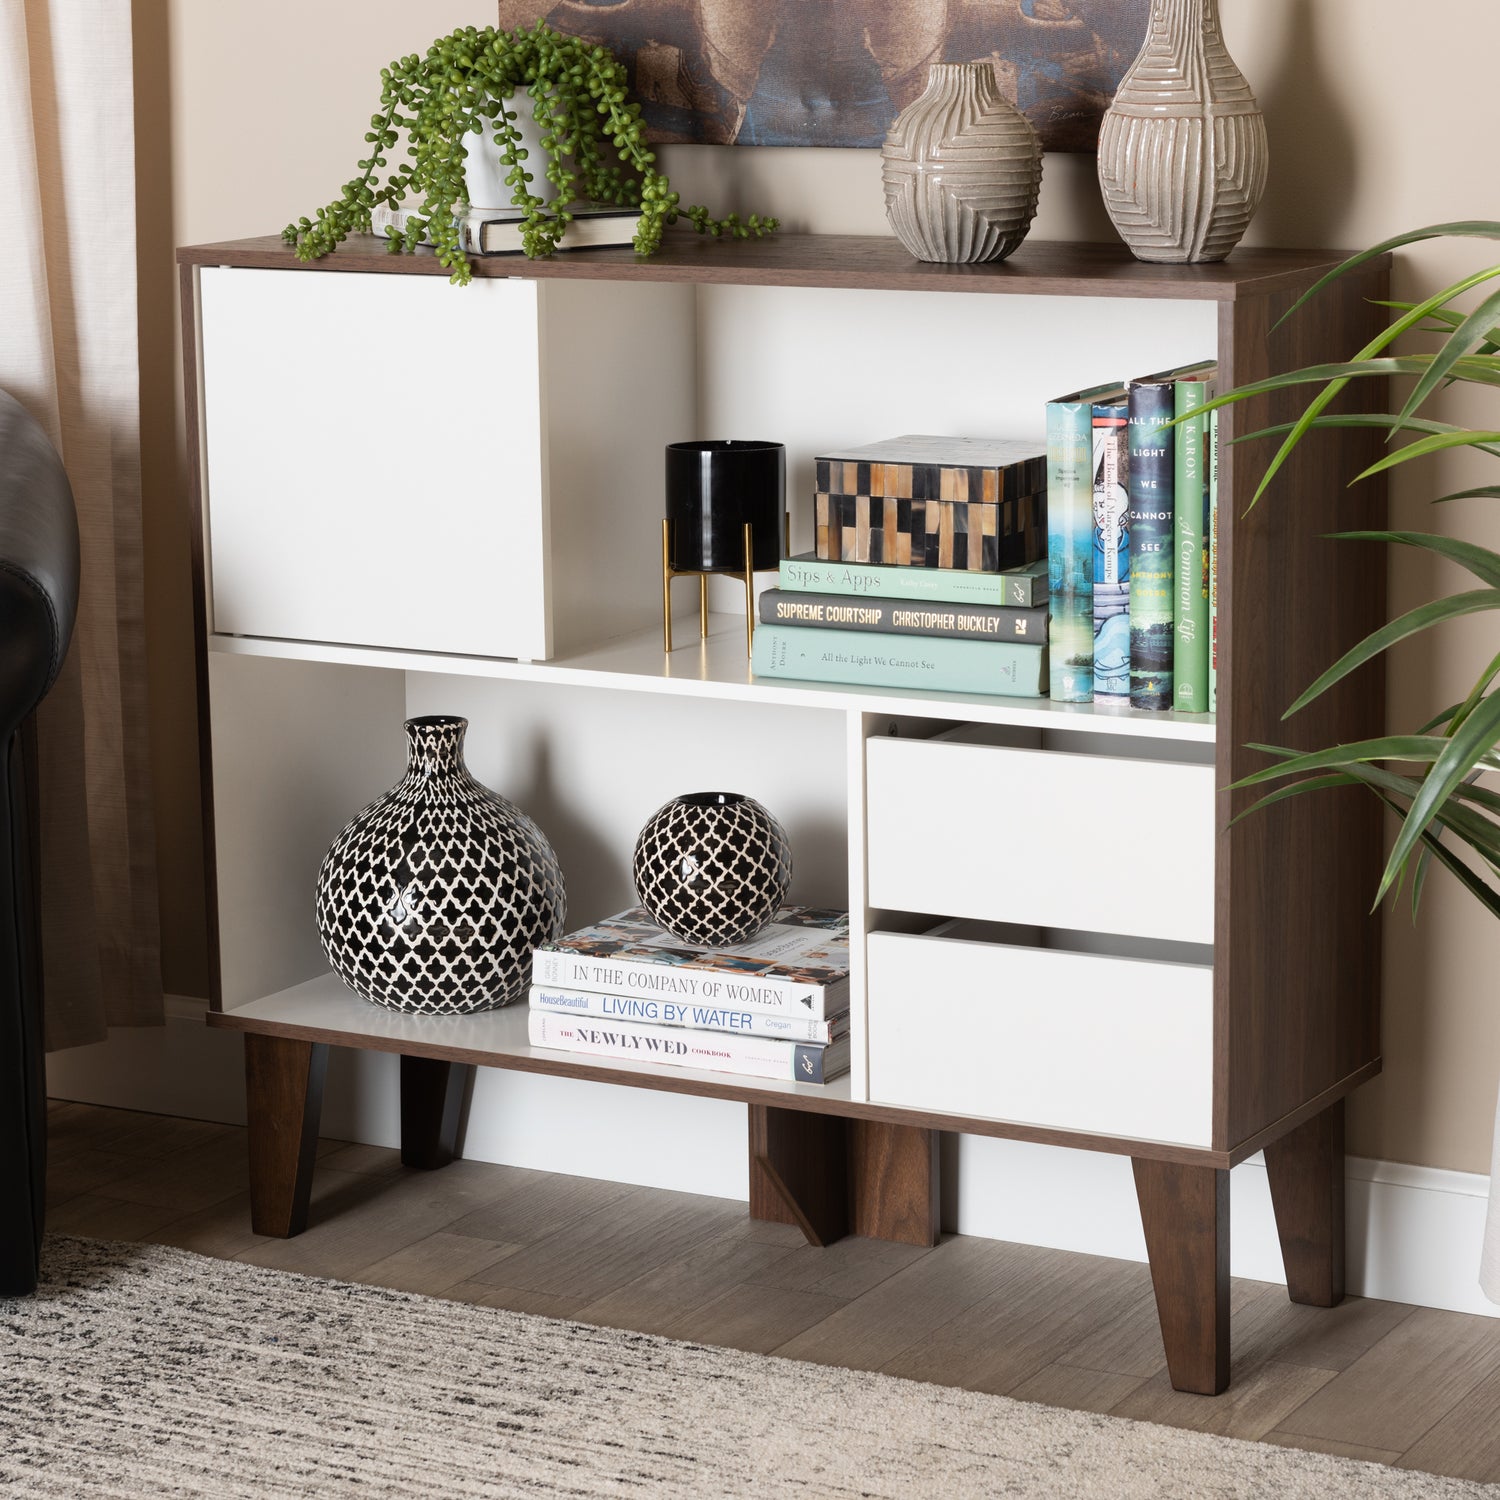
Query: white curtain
x=68 y=353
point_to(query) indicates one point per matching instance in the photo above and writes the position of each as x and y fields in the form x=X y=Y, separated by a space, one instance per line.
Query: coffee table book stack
x=776 y=1006
x=913 y=535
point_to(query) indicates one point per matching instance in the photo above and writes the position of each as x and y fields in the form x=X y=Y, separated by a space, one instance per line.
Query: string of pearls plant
x=471 y=80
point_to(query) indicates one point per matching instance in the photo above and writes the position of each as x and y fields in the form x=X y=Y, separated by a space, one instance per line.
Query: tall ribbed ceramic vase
x=963 y=168
x=432 y=900
x=1182 y=153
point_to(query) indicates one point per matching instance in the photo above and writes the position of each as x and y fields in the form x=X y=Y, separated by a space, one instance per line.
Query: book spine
x=756 y=1057
x=666 y=1012
x=966 y=622
x=614 y=974
x=1070 y=550
x=1152 y=476
x=1111 y=533
x=1191 y=531
x=1213 y=561
x=907 y=661
x=1021 y=588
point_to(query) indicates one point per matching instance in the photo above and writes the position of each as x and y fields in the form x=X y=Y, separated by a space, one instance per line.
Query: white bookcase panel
x=363 y=495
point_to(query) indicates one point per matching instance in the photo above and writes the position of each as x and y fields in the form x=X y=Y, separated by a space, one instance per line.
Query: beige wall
x=252 y=111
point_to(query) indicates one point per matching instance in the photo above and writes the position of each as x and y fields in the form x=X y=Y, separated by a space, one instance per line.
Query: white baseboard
x=1414 y=1233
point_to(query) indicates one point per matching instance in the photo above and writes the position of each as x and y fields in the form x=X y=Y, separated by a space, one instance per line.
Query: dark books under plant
x=473 y=80
x=1427 y=777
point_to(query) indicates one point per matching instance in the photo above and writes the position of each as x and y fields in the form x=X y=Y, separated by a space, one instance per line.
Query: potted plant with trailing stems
x=1429 y=778
x=468 y=93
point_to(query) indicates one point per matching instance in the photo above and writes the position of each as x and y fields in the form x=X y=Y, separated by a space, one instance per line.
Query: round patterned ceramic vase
x=433 y=898
x=1182 y=152
x=712 y=867
x=962 y=167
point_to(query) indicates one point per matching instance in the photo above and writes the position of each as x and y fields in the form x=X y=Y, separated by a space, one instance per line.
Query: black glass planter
x=726 y=513
x=715 y=489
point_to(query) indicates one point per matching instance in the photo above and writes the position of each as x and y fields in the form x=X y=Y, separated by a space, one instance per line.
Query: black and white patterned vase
x=432 y=900
x=712 y=867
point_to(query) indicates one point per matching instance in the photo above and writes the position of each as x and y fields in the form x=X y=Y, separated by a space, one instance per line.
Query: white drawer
x=1048 y=838
x=1077 y=1041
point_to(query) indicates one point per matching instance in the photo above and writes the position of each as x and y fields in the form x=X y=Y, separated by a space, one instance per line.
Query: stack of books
x=1132 y=542
x=930 y=571
x=774 y=1007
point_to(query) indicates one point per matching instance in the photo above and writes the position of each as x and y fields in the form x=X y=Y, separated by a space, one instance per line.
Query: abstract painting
x=837 y=72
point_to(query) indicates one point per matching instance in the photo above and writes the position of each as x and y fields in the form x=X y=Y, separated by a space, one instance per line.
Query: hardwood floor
x=1374 y=1380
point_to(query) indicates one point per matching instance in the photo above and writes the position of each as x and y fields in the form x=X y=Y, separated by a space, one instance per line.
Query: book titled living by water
x=651 y=1010
x=1019 y=588
x=1070 y=541
x=1111 y=553
x=964 y=622
x=1009 y=669
x=715 y=1051
x=1192 y=532
x=798 y=963
x=1152 y=482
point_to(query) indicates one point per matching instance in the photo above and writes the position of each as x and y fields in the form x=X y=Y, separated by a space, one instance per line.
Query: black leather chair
x=38 y=601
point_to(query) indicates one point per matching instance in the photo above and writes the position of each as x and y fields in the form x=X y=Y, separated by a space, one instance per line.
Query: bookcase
x=1061 y=934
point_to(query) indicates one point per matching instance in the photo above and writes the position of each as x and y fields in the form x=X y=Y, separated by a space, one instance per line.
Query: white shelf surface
x=326 y=1009
x=718 y=668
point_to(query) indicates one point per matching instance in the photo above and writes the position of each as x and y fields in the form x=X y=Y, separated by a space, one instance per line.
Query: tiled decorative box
x=934 y=502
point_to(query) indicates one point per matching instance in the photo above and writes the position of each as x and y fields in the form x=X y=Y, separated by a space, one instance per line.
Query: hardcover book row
x=1131 y=498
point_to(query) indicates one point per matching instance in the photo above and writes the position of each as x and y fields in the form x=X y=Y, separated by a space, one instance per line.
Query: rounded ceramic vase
x=962 y=168
x=712 y=867
x=1182 y=151
x=432 y=900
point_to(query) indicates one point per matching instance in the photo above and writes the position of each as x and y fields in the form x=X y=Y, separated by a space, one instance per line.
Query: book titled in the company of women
x=799 y=963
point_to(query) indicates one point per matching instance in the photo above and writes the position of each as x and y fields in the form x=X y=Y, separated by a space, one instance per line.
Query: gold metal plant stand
x=668 y=573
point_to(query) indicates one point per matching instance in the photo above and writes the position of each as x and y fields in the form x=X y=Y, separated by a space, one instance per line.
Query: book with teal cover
x=1070 y=541
x=1192 y=531
x=1153 y=474
x=1020 y=588
x=1111 y=554
x=1012 y=670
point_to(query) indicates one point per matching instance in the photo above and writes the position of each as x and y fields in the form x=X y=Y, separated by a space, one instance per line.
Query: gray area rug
x=140 y=1371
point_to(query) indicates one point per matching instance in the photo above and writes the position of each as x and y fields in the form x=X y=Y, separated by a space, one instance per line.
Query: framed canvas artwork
x=837 y=72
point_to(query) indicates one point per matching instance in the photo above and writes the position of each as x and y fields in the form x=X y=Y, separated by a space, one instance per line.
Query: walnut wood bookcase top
x=868 y=262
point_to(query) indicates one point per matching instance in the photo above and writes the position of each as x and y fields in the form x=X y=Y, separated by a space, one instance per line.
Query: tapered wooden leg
x=893 y=1174
x=1306 y=1167
x=284 y=1098
x=433 y=1095
x=1185 y=1213
x=799 y=1171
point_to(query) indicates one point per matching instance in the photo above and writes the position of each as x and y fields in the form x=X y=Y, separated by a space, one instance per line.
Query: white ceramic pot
x=485 y=172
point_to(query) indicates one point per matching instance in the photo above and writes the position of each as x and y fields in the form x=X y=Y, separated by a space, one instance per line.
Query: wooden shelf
x=863 y=262
x=718 y=669
x=324 y=1011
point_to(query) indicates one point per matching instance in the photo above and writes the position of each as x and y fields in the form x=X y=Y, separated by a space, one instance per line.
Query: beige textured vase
x=963 y=167
x=1182 y=153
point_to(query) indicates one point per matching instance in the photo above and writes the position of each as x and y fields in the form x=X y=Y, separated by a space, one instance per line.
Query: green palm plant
x=1429 y=778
